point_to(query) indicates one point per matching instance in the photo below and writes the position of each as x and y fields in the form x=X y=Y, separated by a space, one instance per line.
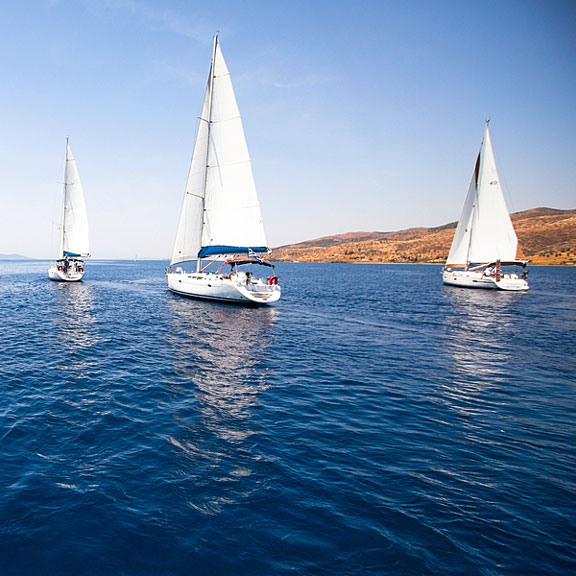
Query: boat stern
x=60 y=273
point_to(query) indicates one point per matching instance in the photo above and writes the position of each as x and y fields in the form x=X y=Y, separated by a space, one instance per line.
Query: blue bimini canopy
x=215 y=250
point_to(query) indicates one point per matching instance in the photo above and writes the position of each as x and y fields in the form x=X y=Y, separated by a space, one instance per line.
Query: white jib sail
x=458 y=255
x=485 y=232
x=74 y=236
x=221 y=205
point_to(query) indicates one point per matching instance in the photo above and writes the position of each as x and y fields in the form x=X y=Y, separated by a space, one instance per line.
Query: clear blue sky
x=359 y=115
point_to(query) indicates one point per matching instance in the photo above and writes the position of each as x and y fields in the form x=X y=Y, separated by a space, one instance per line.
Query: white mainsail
x=221 y=212
x=485 y=232
x=74 y=234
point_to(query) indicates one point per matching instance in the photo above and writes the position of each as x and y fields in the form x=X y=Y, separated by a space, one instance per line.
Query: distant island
x=13 y=257
x=545 y=235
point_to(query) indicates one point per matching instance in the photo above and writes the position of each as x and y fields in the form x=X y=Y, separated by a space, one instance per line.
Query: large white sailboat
x=483 y=252
x=74 y=243
x=220 y=235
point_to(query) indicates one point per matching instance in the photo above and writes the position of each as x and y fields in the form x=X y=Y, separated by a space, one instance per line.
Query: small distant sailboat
x=485 y=243
x=74 y=243
x=220 y=222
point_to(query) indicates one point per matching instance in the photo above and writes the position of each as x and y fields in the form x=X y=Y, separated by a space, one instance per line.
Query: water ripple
x=388 y=425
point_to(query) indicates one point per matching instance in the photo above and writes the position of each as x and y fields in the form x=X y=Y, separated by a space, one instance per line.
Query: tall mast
x=209 y=121
x=64 y=202
x=474 y=205
x=479 y=161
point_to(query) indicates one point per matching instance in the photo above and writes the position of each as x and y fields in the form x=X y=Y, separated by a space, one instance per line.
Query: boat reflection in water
x=218 y=377
x=76 y=327
x=478 y=326
x=77 y=388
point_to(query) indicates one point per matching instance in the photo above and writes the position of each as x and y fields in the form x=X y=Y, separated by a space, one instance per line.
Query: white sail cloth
x=221 y=212
x=74 y=233
x=485 y=232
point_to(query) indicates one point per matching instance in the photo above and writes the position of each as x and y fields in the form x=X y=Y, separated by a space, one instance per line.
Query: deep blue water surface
x=372 y=422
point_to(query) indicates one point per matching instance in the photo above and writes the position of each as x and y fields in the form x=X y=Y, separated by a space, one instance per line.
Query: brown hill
x=546 y=236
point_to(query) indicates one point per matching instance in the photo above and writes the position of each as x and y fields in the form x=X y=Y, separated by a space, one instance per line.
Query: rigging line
x=209 y=102
x=233 y=209
x=237 y=117
x=228 y=164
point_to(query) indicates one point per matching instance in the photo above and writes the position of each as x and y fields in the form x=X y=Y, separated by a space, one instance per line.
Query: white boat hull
x=474 y=279
x=234 y=289
x=58 y=274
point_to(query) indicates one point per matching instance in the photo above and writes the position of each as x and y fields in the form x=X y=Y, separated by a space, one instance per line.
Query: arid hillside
x=546 y=236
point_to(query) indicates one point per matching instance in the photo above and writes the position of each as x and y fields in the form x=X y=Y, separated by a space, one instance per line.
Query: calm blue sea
x=372 y=422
